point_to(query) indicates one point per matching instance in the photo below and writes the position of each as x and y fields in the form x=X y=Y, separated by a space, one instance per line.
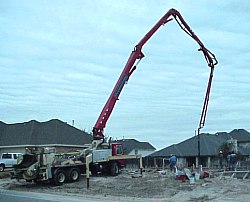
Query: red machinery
x=136 y=56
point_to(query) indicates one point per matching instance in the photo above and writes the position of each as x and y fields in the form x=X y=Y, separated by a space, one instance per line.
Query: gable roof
x=209 y=144
x=240 y=135
x=40 y=133
x=130 y=144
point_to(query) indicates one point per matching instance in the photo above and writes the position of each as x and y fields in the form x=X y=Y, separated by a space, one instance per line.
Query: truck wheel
x=73 y=175
x=59 y=177
x=2 y=168
x=114 y=170
x=93 y=170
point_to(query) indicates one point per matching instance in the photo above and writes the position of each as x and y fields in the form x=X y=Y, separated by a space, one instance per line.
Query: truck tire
x=114 y=169
x=2 y=167
x=93 y=170
x=73 y=175
x=59 y=177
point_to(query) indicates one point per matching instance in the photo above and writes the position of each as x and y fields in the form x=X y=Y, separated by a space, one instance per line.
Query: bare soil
x=152 y=186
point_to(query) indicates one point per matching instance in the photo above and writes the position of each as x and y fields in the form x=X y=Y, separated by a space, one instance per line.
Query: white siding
x=12 y=150
x=142 y=152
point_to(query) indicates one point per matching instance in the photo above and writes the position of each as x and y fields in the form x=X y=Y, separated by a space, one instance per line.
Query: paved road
x=16 y=196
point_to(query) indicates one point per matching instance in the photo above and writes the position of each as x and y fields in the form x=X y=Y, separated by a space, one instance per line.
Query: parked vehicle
x=8 y=160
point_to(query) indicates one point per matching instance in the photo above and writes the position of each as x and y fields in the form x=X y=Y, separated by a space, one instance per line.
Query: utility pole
x=199 y=146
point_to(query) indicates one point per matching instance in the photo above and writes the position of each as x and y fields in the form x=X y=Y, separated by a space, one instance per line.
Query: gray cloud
x=62 y=59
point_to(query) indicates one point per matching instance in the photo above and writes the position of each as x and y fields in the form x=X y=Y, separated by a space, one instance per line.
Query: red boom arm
x=137 y=55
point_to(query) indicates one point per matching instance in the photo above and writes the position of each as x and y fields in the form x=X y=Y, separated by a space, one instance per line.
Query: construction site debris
x=151 y=186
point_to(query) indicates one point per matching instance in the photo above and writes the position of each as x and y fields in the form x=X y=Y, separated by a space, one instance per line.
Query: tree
x=226 y=147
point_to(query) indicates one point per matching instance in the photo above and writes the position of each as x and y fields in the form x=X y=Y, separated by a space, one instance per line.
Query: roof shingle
x=39 y=133
x=209 y=144
x=130 y=144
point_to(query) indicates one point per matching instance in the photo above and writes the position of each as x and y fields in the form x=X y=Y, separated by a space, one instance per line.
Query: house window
x=136 y=151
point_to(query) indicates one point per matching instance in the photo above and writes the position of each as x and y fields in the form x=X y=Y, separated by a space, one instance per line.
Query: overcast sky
x=61 y=59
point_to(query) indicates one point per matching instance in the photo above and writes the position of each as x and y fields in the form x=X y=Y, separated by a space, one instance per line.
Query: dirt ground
x=151 y=186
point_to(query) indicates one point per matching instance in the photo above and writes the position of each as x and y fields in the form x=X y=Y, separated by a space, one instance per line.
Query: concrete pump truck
x=44 y=164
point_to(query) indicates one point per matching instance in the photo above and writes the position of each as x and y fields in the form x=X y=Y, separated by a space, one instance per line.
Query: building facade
x=210 y=146
x=54 y=133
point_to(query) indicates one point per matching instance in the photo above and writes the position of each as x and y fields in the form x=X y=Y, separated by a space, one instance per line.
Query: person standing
x=221 y=159
x=172 y=163
x=232 y=161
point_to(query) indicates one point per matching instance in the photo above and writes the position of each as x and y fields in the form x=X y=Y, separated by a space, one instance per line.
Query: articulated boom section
x=136 y=56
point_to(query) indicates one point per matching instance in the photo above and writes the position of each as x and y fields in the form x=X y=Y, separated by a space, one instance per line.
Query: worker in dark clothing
x=232 y=161
x=172 y=163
